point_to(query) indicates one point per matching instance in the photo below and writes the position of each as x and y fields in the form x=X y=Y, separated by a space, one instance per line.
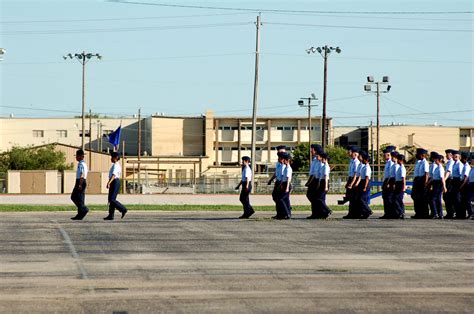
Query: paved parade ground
x=211 y=262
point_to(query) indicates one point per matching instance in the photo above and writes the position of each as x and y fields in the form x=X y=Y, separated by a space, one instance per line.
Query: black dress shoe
x=275 y=217
x=383 y=217
x=312 y=217
x=286 y=218
x=75 y=218
x=348 y=217
x=243 y=217
x=109 y=218
x=250 y=214
x=123 y=214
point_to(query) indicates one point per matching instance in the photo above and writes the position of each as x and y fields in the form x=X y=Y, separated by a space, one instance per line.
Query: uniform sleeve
x=441 y=171
x=404 y=172
x=449 y=167
x=427 y=167
x=467 y=170
x=115 y=171
x=328 y=170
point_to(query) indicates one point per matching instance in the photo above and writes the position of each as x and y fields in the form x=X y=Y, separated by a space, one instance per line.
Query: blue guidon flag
x=114 y=137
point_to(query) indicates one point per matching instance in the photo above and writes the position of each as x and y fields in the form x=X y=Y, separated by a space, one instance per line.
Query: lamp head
x=385 y=79
x=370 y=79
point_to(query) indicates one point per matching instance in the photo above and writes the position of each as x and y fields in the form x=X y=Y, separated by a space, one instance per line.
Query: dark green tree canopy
x=31 y=158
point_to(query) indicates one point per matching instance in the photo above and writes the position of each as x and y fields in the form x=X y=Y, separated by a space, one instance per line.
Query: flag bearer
x=113 y=185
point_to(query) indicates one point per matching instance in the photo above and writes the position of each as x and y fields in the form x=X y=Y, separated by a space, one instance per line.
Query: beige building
x=172 y=147
x=406 y=137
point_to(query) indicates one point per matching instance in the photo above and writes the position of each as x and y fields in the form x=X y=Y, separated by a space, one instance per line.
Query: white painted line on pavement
x=73 y=251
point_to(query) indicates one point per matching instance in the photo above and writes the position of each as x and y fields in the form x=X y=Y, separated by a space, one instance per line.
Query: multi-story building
x=406 y=137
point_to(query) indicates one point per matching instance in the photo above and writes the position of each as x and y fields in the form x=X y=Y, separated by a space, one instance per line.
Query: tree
x=31 y=158
x=337 y=156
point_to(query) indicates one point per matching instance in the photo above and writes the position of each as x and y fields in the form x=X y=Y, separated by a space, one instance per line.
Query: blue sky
x=181 y=61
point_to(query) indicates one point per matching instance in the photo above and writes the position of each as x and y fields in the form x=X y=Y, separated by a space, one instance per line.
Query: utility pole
x=324 y=51
x=255 y=98
x=98 y=135
x=139 y=145
x=90 y=138
x=378 y=91
x=301 y=104
x=83 y=58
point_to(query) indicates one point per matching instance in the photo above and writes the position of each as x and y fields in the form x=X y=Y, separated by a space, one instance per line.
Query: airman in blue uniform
x=448 y=177
x=285 y=187
x=458 y=179
x=313 y=181
x=418 y=193
x=113 y=185
x=363 y=187
x=465 y=211
x=246 y=183
x=78 y=194
x=323 y=187
x=400 y=187
x=437 y=185
x=351 y=186
x=281 y=149
x=386 y=189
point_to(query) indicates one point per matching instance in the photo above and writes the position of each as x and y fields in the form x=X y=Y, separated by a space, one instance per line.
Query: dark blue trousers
x=112 y=198
x=418 y=194
x=276 y=196
x=244 y=199
x=323 y=209
x=456 y=193
x=387 y=198
x=435 y=201
x=284 y=200
x=397 y=200
x=311 y=195
x=78 y=197
x=351 y=195
x=470 y=188
x=448 y=200
x=363 y=200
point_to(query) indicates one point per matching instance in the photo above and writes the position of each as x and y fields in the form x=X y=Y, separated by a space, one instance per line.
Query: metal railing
x=225 y=184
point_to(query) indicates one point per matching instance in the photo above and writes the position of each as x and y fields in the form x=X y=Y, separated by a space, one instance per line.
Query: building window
x=38 y=133
x=287 y=128
x=61 y=133
x=279 y=128
x=87 y=132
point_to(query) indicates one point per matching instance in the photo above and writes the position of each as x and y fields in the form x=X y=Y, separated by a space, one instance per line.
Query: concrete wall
x=34 y=182
x=177 y=136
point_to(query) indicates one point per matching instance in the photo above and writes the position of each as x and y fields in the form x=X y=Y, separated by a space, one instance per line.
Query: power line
x=120 y=18
x=125 y=29
x=288 y=11
x=371 y=27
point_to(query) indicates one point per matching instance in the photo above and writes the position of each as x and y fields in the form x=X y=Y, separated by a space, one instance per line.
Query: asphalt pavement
x=211 y=262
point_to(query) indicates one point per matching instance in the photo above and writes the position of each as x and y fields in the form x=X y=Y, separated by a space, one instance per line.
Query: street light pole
x=309 y=105
x=324 y=51
x=377 y=91
x=83 y=58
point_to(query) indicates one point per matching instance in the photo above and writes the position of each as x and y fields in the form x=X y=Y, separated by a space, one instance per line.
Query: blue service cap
x=464 y=155
x=421 y=151
x=114 y=155
x=455 y=152
x=246 y=158
x=286 y=156
x=353 y=149
x=394 y=154
x=323 y=155
x=389 y=149
x=401 y=157
x=79 y=152
x=364 y=155
x=281 y=147
x=316 y=146
x=449 y=151
x=432 y=154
